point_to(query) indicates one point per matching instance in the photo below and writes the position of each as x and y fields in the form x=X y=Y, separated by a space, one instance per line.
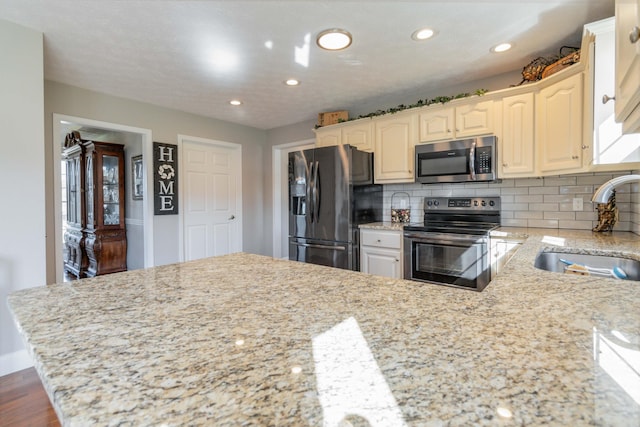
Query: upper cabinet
x=328 y=136
x=359 y=134
x=395 y=138
x=516 y=137
x=470 y=119
x=627 y=95
x=559 y=124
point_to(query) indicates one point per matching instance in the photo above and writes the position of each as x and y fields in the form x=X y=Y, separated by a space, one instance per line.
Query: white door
x=212 y=198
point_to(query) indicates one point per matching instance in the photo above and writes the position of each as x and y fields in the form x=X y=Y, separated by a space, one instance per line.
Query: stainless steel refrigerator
x=331 y=192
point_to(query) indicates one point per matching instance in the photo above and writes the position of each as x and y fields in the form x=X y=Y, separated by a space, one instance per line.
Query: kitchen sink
x=598 y=264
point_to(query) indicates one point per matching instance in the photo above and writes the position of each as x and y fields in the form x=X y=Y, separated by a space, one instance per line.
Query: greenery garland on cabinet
x=420 y=103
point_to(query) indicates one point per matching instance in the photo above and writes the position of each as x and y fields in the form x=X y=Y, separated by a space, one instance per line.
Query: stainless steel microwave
x=463 y=160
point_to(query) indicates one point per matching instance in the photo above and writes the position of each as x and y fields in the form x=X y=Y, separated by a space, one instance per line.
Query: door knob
x=607 y=98
x=232 y=217
x=634 y=35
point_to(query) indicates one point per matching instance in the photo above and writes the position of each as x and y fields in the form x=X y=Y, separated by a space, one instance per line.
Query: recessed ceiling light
x=235 y=102
x=502 y=47
x=334 y=39
x=292 y=82
x=423 y=34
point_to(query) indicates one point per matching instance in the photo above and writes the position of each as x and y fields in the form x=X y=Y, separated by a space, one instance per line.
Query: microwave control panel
x=483 y=160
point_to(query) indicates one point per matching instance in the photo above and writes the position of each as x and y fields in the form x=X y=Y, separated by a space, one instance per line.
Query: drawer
x=381 y=238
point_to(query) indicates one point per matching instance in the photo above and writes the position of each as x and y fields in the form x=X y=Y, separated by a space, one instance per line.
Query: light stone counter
x=249 y=340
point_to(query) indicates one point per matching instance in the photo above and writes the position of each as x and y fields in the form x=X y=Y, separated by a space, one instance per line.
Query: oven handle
x=445 y=238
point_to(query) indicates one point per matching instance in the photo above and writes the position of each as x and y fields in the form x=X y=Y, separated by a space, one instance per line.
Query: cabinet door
x=436 y=125
x=381 y=262
x=474 y=119
x=516 y=149
x=559 y=124
x=111 y=201
x=628 y=64
x=394 y=154
x=327 y=137
x=359 y=135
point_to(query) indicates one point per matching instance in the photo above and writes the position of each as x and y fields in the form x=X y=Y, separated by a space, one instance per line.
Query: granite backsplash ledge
x=545 y=202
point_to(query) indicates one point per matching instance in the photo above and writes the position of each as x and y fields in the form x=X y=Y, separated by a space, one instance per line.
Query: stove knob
x=484 y=203
x=492 y=203
x=436 y=203
x=475 y=203
x=429 y=202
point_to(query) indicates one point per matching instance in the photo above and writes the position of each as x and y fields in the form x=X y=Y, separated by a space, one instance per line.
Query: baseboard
x=14 y=362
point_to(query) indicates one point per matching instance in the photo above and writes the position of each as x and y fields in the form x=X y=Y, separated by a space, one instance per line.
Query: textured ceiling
x=170 y=53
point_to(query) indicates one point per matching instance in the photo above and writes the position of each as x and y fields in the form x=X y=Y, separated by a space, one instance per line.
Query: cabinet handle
x=505 y=165
x=574 y=157
x=634 y=35
x=607 y=98
x=584 y=147
x=379 y=241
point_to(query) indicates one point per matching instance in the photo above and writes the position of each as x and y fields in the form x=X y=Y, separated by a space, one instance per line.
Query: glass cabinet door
x=110 y=190
x=73 y=191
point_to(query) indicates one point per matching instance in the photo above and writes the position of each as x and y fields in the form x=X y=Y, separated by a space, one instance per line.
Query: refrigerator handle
x=310 y=192
x=316 y=187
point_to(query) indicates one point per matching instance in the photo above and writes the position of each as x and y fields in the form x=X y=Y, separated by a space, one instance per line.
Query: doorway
x=211 y=197
x=139 y=213
x=280 y=158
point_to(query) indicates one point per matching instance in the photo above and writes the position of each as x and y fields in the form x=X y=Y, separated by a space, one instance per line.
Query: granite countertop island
x=249 y=340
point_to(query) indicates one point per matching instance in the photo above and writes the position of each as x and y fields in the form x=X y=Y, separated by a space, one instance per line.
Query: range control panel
x=462 y=203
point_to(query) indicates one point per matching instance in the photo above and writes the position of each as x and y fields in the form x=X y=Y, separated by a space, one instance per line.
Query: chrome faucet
x=603 y=193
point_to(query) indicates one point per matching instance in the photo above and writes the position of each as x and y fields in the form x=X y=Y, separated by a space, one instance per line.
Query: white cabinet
x=559 y=125
x=611 y=147
x=470 y=119
x=516 y=138
x=436 y=125
x=381 y=252
x=628 y=64
x=359 y=134
x=502 y=249
x=395 y=138
x=474 y=119
x=328 y=136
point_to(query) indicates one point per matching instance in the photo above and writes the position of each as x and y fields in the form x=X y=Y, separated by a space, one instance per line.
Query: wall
x=22 y=229
x=165 y=125
x=537 y=202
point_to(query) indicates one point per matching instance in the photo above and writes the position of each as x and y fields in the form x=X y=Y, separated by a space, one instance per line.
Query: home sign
x=165 y=180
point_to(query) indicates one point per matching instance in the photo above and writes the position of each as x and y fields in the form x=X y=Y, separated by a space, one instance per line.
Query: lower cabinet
x=381 y=252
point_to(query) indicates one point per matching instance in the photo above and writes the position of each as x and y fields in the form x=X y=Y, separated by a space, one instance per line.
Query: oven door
x=459 y=260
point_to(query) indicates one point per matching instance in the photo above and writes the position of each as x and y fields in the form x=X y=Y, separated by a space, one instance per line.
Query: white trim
x=147 y=209
x=231 y=145
x=14 y=362
x=277 y=165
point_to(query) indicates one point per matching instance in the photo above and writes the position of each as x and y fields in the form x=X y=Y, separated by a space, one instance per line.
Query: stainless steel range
x=452 y=247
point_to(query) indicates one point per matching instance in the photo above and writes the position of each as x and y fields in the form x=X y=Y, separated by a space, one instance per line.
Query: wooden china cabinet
x=75 y=261
x=95 y=238
x=104 y=233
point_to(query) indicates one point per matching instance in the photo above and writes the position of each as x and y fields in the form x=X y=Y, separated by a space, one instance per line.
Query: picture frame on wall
x=137 y=187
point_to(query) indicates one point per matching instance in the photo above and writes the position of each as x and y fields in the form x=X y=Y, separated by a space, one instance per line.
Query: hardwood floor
x=23 y=401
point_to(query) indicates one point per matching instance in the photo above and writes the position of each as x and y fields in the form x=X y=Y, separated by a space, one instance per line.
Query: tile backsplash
x=545 y=202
